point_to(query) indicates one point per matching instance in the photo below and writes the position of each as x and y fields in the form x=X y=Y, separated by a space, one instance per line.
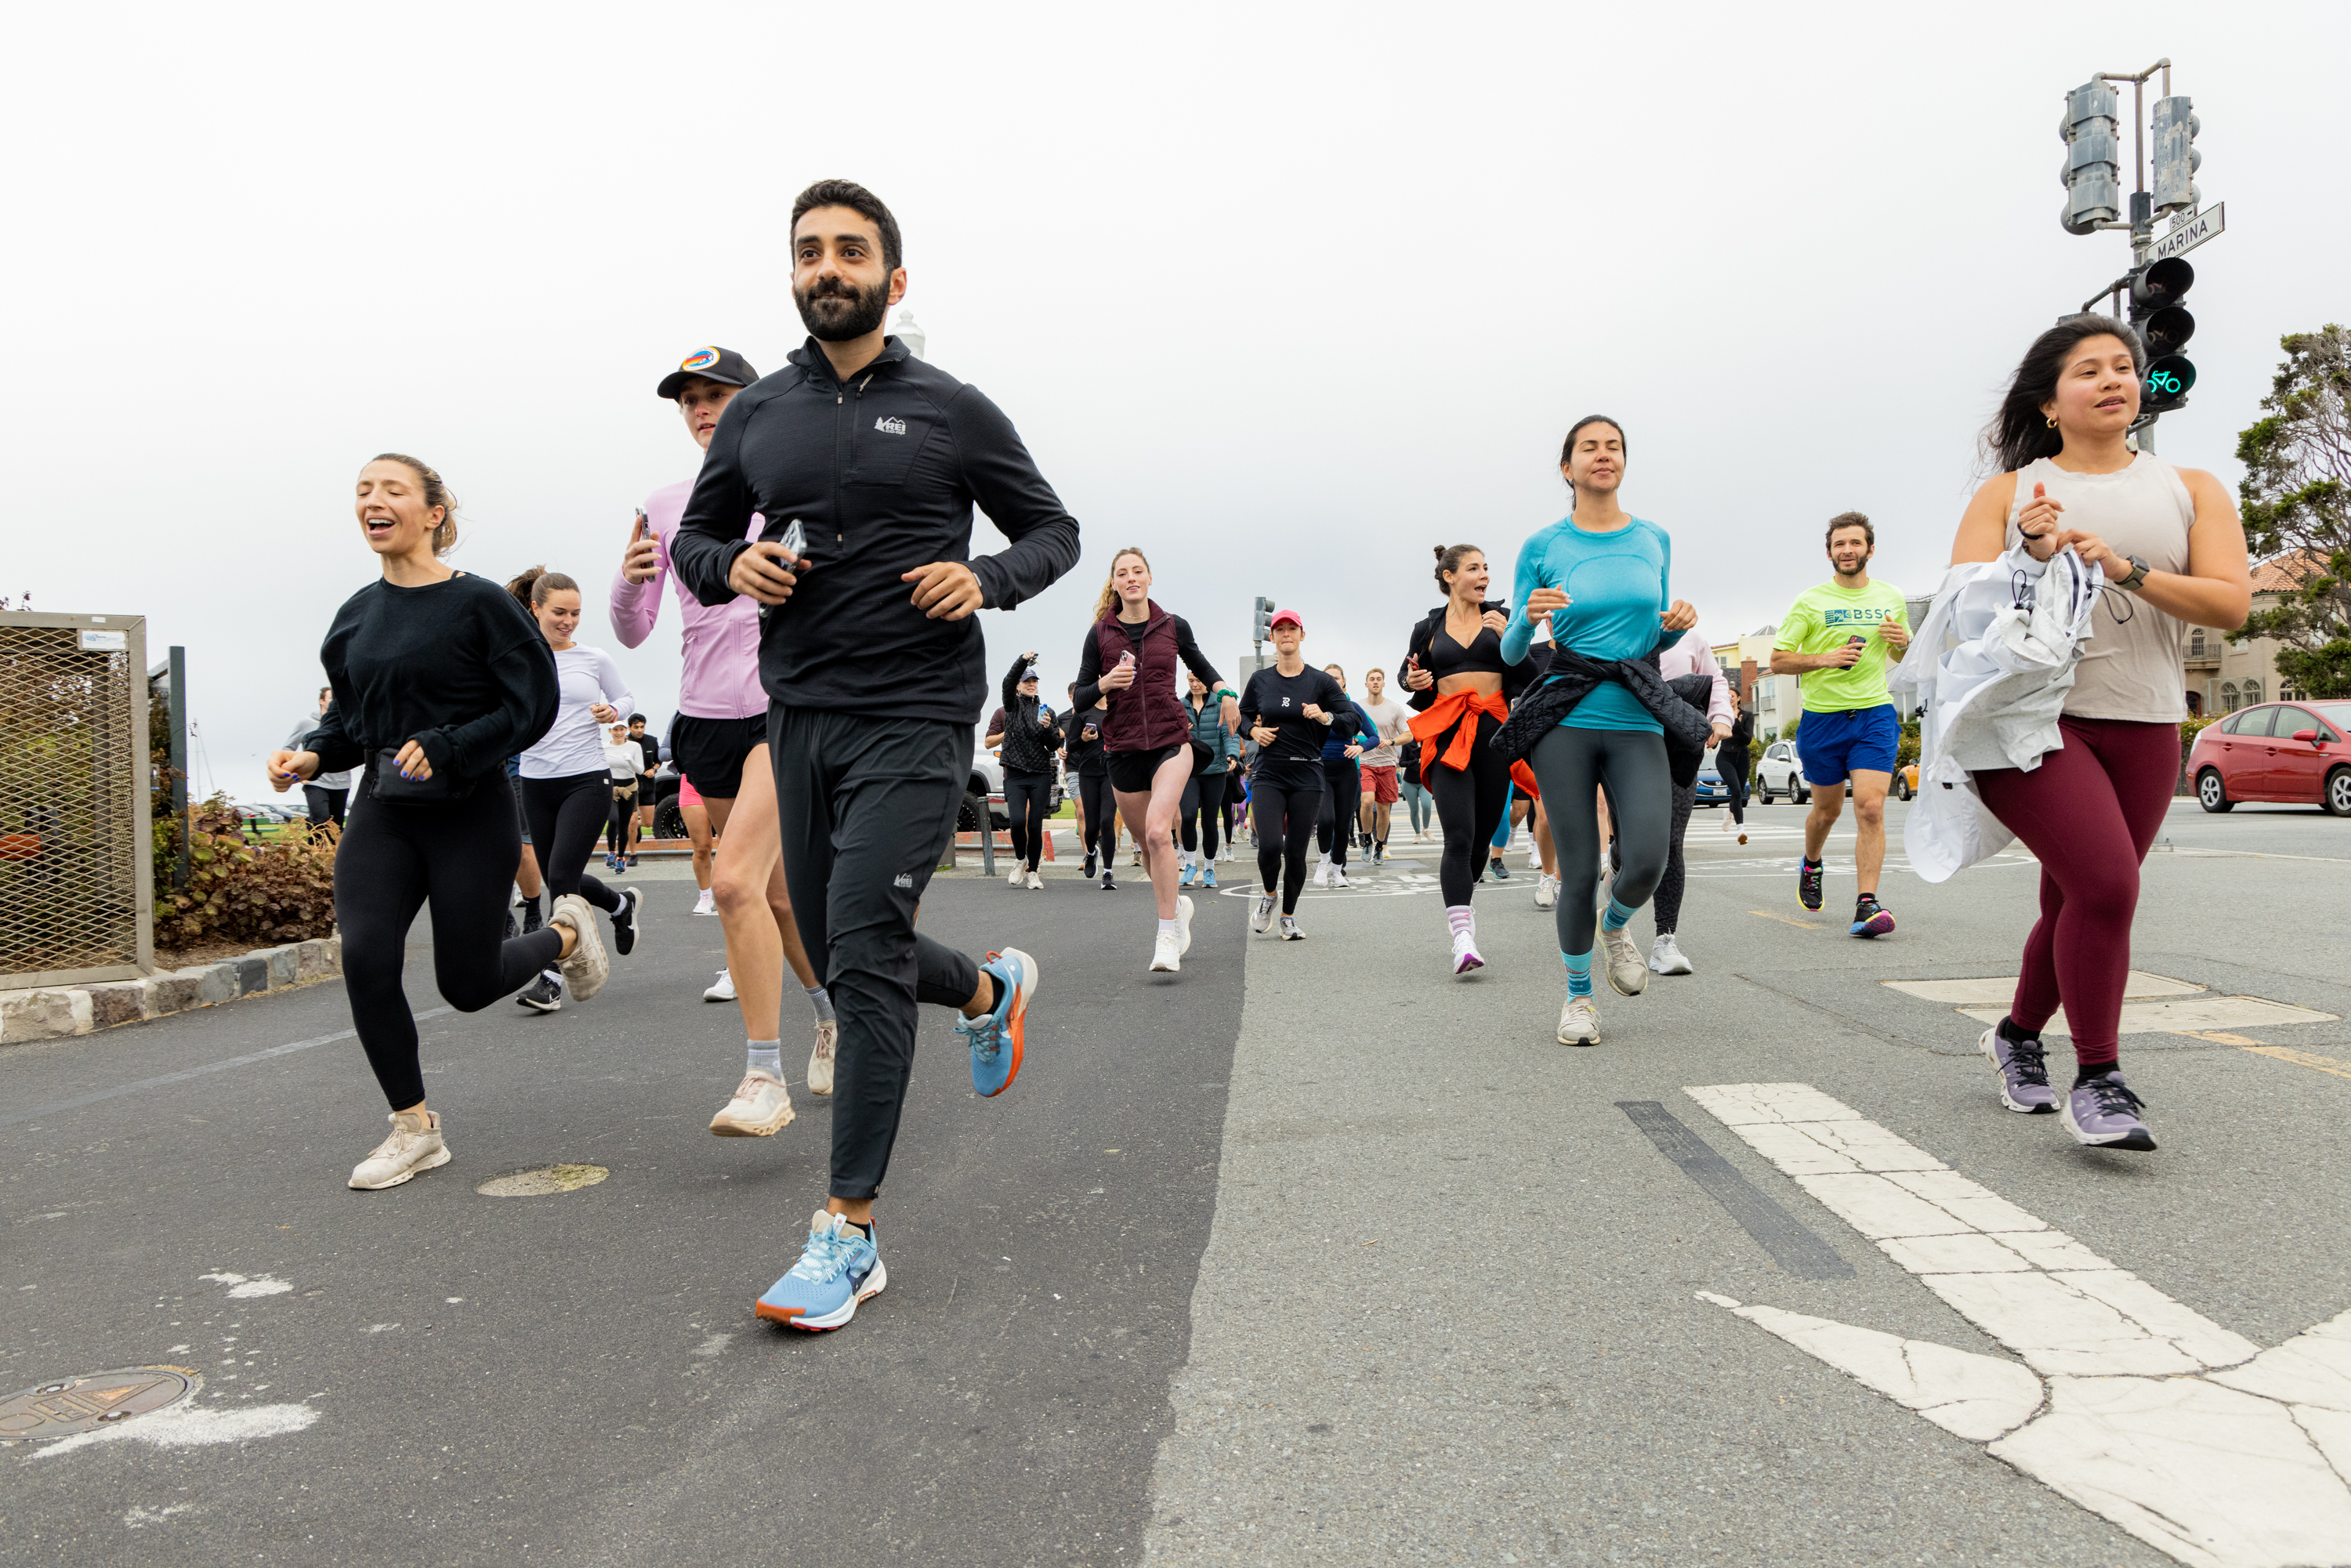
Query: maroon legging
x=2089 y=811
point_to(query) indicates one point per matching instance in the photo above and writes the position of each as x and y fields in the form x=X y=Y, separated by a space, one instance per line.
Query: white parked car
x=1778 y=776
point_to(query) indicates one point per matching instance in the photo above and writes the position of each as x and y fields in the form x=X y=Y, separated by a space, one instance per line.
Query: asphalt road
x=1309 y=1254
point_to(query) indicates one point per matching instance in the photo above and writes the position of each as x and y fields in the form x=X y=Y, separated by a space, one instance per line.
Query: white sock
x=767 y=1057
x=1169 y=928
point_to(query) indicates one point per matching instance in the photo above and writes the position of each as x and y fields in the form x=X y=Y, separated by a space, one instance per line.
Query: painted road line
x=12 y=1117
x=1998 y=990
x=1780 y=1233
x=1787 y=920
x=2133 y=1406
x=2338 y=1067
x=2183 y=1016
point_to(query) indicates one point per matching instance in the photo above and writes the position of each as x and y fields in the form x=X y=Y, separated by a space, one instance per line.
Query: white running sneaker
x=585 y=972
x=1291 y=931
x=723 y=990
x=1546 y=891
x=761 y=1108
x=1466 y=959
x=707 y=904
x=1166 y=957
x=1339 y=877
x=1012 y=877
x=415 y=1146
x=1035 y=883
x=828 y=1039
x=1322 y=871
x=1261 y=918
x=1579 y=1023
x=1627 y=970
x=1183 y=925
x=1665 y=956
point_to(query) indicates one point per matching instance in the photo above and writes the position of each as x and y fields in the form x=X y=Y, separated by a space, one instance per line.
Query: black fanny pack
x=385 y=783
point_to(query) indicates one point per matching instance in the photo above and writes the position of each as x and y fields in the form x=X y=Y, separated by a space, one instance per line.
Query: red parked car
x=2276 y=751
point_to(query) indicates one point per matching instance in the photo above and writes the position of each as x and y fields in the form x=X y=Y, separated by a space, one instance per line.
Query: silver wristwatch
x=2138 y=574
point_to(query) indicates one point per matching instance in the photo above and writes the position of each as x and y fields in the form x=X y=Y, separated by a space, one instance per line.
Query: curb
x=59 y=1012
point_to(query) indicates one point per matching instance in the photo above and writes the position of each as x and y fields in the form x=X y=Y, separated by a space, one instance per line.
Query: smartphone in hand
x=794 y=540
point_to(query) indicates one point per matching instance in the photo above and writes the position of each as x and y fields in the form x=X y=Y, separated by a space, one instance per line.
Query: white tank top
x=2131 y=669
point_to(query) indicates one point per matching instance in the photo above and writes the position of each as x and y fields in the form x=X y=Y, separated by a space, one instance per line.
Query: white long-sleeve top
x=1693 y=655
x=574 y=743
x=623 y=760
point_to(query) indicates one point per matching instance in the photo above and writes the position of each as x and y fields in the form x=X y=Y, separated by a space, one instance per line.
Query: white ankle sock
x=1459 y=916
x=1169 y=928
x=767 y=1057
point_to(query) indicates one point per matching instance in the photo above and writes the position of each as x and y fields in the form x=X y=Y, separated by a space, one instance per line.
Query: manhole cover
x=545 y=1182
x=70 y=1404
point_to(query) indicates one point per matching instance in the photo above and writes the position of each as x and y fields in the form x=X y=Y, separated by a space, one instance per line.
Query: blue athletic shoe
x=1185 y=880
x=841 y=1267
x=996 y=1037
x=1208 y=876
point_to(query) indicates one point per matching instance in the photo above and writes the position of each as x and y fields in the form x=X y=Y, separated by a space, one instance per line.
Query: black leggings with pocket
x=1025 y=795
x=1630 y=764
x=460 y=855
x=1098 y=814
x=1470 y=806
x=1285 y=821
x=566 y=815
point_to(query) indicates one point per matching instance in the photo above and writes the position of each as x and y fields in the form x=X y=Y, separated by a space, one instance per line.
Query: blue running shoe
x=841 y=1267
x=997 y=1035
x=1208 y=876
x=1186 y=879
x=1870 y=918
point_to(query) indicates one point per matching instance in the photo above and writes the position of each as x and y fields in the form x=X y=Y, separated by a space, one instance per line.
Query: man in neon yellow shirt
x=1837 y=638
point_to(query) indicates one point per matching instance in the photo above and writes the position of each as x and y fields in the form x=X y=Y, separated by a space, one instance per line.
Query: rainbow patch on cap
x=700 y=359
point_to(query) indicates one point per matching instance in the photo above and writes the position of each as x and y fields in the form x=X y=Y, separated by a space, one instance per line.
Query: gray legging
x=1630 y=764
x=1669 y=886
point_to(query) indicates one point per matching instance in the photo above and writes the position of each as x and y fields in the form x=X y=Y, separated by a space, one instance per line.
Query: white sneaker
x=1262 y=919
x=1012 y=877
x=1339 y=877
x=1727 y=823
x=1546 y=891
x=1034 y=882
x=415 y=1146
x=1579 y=1023
x=1322 y=871
x=1183 y=925
x=1290 y=930
x=723 y=990
x=1466 y=959
x=1627 y=970
x=1166 y=957
x=707 y=904
x=585 y=972
x=1665 y=956
x=828 y=1040
x=762 y=1107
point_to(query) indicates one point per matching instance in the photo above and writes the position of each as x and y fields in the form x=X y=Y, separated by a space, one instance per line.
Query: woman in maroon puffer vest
x=1131 y=656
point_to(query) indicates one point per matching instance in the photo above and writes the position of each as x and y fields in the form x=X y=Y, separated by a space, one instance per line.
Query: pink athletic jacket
x=721 y=641
x=1693 y=656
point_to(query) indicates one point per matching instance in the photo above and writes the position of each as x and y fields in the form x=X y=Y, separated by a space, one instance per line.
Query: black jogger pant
x=461 y=855
x=1025 y=795
x=1098 y=814
x=868 y=805
x=1734 y=766
x=325 y=805
x=566 y=816
x=1285 y=827
x=1343 y=793
x=1203 y=807
x=1669 y=902
x=1630 y=764
x=1470 y=806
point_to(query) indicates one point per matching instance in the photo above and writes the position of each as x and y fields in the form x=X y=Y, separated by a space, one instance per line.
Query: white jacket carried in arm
x=1992 y=665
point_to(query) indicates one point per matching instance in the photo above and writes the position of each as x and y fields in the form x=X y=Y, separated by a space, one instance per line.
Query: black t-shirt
x=1085 y=752
x=1294 y=760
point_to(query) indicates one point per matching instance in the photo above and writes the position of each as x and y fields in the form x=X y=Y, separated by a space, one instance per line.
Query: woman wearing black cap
x=1289 y=710
x=1028 y=735
x=438 y=678
x=1130 y=655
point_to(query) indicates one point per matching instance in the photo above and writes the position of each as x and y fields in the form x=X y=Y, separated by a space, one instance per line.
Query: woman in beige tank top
x=2174 y=554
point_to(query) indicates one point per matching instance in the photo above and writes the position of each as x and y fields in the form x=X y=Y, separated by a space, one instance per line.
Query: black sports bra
x=1447 y=657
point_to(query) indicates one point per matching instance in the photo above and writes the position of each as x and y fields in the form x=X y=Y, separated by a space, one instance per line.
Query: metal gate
x=76 y=862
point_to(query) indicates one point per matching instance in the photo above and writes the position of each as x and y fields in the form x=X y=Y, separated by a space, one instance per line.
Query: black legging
x=1025 y=796
x=616 y=830
x=1732 y=764
x=1342 y=792
x=1204 y=803
x=1285 y=827
x=1236 y=802
x=1098 y=814
x=1669 y=902
x=1630 y=764
x=461 y=854
x=1470 y=806
x=565 y=816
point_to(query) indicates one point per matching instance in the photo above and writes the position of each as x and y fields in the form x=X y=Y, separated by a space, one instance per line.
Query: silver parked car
x=1779 y=775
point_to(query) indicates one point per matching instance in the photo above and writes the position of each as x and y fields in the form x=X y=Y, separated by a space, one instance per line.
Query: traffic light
x=1264 y=621
x=2092 y=174
x=2174 y=128
x=2165 y=326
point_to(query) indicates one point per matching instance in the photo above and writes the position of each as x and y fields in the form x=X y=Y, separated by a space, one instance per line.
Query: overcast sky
x=1286 y=296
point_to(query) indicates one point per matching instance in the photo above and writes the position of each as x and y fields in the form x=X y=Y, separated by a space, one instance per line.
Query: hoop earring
x=2051 y=420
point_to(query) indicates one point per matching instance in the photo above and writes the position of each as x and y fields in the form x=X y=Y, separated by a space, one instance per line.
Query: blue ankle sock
x=1618 y=916
x=1579 y=973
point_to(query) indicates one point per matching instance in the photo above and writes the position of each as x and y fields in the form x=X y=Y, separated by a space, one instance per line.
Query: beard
x=835 y=312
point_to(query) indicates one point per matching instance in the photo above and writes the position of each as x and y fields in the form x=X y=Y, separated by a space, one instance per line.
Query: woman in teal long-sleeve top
x=1202 y=812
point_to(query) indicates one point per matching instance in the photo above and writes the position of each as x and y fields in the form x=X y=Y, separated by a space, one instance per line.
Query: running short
x=1381 y=782
x=687 y=795
x=1846 y=741
x=521 y=821
x=1130 y=771
x=710 y=751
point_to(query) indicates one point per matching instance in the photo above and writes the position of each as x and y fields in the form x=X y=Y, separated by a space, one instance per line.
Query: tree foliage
x=2296 y=497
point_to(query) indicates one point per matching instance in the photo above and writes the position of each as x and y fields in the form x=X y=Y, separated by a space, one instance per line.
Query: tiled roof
x=2284 y=574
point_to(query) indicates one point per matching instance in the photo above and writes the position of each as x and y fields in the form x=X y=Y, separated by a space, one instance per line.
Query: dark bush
x=282 y=890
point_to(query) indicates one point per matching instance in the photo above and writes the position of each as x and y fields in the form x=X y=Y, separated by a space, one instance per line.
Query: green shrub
x=279 y=891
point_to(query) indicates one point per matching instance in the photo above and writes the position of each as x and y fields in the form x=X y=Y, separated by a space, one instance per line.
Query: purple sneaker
x=2104 y=1113
x=1870 y=918
x=2023 y=1070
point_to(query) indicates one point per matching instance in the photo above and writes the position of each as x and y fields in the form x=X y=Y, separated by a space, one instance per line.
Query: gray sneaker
x=2023 y=1070
x=2104 y=1113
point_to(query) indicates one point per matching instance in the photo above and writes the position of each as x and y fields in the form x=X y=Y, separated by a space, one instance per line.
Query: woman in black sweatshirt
x=438 y=677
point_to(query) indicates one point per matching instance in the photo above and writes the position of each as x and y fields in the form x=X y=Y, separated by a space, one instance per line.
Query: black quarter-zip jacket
x=882 y=471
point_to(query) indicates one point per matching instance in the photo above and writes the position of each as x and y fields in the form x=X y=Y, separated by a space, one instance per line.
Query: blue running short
x=1854 y=741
